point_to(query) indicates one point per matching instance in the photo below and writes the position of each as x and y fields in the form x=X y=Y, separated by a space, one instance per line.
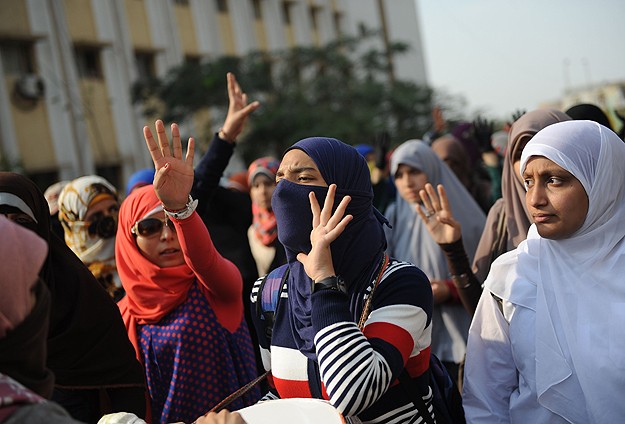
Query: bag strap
x=404 y=378
x=266 y=306
x=366 y=310
x=269 y=293
x=424 y=412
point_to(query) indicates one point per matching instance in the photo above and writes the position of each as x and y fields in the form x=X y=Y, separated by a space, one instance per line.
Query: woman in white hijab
x=414 y=164
x=551 y=349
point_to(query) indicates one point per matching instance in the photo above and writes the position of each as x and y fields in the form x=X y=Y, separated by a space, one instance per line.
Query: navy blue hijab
x=356 y=253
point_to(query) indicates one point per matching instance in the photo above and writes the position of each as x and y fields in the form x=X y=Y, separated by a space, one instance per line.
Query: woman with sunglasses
x=183 y=308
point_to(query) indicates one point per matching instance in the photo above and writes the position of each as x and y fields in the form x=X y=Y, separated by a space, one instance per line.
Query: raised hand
x=482 y=132
x=238 y=110
x=174 y=175
x=438 y=218
x=326 y=228
x=517 y=114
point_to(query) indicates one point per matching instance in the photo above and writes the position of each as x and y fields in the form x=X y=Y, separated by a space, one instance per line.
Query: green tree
x=340 y=90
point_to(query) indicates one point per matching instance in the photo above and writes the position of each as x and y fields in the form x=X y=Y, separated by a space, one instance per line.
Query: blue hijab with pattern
x=355 y=253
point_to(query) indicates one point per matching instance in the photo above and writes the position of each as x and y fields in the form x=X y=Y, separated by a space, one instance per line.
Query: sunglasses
x=149 y=227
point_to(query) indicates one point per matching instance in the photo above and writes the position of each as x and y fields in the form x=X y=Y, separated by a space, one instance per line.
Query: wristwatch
x=334 y=282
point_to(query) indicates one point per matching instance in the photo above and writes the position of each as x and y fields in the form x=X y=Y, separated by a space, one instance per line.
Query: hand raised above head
x=439 y=219
x=327 y=226
x=174 y=175
x=238 y=110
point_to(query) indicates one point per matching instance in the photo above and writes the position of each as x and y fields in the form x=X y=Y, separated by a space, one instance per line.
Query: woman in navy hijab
x=323 y=345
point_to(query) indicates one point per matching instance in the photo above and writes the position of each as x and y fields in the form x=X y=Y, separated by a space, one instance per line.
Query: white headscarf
x=576 y=285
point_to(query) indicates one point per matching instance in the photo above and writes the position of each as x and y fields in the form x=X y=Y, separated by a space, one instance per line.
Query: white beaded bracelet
x=189 y=208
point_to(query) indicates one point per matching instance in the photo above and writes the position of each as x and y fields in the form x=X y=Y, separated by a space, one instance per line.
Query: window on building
x=257 y=10
x=181 y=2
x=17 y=58
x=314 y=16
x=110 y=173
x=146 y=68
x=43 y=179
x=193 y=59
x=338 y=23
x=88 y=62
x=222 y=6
x=286 y=12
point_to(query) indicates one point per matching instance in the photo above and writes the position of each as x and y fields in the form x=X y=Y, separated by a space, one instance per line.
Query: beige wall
x=225 y=29
x=261 y=35
x=99 y=121
x=138 y=23
x=80 y=21
x=13 y=17
x=33 y=132
x=186 y=29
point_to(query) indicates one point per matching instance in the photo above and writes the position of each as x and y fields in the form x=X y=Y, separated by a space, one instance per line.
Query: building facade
x=66 y=67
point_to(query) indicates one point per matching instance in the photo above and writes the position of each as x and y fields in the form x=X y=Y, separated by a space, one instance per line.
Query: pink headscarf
x=264 y=223
x=23 y=253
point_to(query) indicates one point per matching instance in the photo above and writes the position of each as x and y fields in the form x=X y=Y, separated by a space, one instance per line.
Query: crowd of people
x=338 y=272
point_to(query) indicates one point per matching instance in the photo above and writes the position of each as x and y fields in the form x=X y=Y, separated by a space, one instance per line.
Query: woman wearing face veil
x=88 y=209
x=25 y=382
x=337 y=263
x=87 y=346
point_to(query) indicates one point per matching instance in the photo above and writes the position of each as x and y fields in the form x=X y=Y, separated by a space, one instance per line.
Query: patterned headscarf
x=264 y=221
x=97 y=252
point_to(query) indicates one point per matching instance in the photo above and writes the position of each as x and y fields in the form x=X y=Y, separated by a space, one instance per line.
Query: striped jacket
x=357 y=370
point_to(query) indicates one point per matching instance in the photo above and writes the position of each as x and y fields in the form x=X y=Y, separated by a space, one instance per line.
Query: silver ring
x=429 y=213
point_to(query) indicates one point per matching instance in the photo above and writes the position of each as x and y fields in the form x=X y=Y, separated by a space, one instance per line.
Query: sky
x=504 y=55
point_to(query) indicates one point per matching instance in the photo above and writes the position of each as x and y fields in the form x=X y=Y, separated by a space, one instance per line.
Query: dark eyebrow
x=297 y=170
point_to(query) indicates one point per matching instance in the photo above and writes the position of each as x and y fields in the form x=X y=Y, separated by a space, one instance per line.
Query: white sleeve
x=490 y=374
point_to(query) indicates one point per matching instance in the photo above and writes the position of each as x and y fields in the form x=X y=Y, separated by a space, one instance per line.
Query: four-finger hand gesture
x=174 y=175
x=326 y=227
x=438 y=218
x=238 y=110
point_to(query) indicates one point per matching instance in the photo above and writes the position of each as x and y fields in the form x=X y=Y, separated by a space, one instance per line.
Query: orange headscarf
x=151 y=291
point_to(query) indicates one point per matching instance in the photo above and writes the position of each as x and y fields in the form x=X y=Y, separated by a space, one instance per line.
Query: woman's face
x=104 y=208
x=409 y=181
x=101 y=219
x=556 y=199
x=261 y=190
x=162 y=248
x=297 y=167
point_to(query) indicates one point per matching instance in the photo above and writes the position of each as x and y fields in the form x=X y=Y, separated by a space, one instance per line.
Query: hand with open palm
x=174 y=175
x=326 y=228
x=439 y=219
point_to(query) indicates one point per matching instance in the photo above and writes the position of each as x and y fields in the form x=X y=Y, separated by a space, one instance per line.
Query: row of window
x=18 y=59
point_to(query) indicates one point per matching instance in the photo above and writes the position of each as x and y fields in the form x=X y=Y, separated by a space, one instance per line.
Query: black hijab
x=88 y=346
